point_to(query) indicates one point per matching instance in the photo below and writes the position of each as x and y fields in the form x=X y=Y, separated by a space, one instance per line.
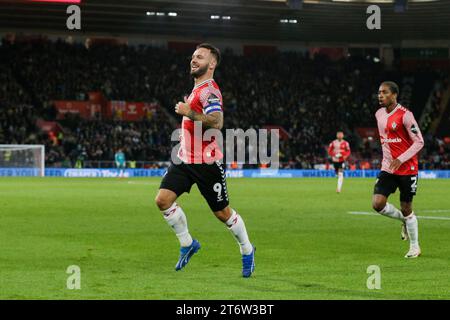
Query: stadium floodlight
x=150 y=13
x=226 y=18
x=293 y=21
x=284 y=20
x=295 y=4
x=214 y=17
x=22 y=160
x=160 y=14
x=400 y=5
x=172 y=14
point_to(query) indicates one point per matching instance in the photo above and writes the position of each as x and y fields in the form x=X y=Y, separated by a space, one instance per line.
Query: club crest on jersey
x=394 y=125
x=414 y=129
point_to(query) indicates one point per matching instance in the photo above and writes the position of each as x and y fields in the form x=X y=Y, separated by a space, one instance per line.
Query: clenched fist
x=183 y=108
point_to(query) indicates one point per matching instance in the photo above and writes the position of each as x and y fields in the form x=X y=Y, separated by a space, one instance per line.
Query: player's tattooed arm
x=212 y=120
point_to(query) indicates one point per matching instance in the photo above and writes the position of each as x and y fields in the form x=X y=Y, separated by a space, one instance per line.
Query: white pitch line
x=433 y=218
x=435 y=211
x=364 y=213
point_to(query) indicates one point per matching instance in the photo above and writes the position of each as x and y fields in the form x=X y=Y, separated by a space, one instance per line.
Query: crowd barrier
x=246 y=173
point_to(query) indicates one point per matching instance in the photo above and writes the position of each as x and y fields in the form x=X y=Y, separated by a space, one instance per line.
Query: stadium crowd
x=310 y=97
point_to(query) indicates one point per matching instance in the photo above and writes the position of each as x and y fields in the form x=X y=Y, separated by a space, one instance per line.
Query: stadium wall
x=237 y=45
x=246 y=173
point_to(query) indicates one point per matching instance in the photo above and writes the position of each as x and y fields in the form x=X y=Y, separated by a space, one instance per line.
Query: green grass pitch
x=308 y=244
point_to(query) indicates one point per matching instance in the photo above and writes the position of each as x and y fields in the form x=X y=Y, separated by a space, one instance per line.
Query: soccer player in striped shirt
x=339 y=151
x=201 y=164
x=401 y=140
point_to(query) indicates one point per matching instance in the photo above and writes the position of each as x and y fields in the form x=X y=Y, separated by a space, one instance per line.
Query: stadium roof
x=269 y=20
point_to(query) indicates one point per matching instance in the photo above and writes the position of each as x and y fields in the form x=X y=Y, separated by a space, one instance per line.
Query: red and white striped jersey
x=205 y=98
x=339 y=150
x=400 y=138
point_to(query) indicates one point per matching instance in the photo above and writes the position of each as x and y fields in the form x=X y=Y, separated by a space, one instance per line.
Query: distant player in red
x=339 y=151
x=201 y=163
x=401 y=140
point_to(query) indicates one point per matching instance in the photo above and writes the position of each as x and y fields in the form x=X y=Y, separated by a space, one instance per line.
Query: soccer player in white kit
x=401 y=140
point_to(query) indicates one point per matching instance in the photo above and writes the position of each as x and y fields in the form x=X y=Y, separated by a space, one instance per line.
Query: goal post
x=22 y=160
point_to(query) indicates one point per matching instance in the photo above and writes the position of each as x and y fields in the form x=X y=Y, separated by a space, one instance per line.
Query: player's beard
x=199 y=72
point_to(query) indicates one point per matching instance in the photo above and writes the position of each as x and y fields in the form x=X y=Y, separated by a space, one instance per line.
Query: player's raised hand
x=183 y=108
x=395 y=164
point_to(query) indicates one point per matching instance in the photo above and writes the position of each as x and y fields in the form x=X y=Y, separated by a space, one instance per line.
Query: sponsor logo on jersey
x=213 y=99
x=414 y=129
x=391 y=140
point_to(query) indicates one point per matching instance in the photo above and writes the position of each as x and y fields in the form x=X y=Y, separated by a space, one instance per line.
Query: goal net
x=22 y=160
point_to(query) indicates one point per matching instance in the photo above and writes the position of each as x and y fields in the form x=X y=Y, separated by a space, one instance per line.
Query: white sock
x=412 y=226
x=340 y=181
x=176 y=218
x=392 y=212
x=237 y=228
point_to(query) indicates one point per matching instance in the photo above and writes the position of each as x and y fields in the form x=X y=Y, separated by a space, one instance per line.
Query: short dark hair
x=392 y=86
x=214 y=50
